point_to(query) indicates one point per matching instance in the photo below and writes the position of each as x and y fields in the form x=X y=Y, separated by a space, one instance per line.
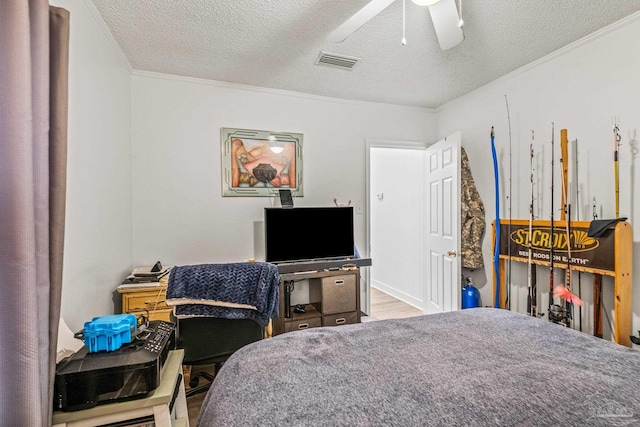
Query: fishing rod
x=571 y=304
x=568 y=315
x=496 y=249
x=561 y=314
x=566 y=215
x=616 y=175
x=508 y=290
x=564 y=315
x=551 y=240
x=531 y=295
x=597 y=291
x=576 y=180
x=564 y=148
x=598 y=304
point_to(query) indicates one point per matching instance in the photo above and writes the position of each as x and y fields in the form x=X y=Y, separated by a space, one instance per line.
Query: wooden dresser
x=149 y=301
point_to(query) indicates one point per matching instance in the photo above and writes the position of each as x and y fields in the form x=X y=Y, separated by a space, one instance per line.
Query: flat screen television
x=308 y=233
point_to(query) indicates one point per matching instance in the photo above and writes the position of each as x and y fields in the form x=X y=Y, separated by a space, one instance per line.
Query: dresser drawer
x=147 y=300
x=337 y=294
x=340 y=319
x=297 y=325
x=159 y=314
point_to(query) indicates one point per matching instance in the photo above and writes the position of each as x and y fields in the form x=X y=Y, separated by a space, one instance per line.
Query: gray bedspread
x=472 y=367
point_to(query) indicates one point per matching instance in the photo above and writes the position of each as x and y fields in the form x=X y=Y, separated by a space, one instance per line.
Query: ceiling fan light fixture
x=425 y=2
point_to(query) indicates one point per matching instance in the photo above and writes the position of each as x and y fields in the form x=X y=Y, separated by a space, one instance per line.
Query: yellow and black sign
x=592 y=252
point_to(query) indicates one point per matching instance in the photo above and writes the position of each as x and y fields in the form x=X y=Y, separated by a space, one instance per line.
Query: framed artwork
x=260 y=162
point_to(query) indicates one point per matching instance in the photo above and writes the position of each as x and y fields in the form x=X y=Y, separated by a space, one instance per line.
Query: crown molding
x=260 y=89
x=107 y=33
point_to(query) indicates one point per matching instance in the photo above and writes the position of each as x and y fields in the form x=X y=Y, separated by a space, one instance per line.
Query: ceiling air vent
x=337 y=61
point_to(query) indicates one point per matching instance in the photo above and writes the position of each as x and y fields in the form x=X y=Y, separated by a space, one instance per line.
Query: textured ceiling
x=274 y=43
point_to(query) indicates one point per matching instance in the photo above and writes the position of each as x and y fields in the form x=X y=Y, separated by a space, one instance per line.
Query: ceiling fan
x=444 y=14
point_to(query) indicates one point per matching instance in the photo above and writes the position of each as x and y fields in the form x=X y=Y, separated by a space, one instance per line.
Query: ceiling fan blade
x=360 y=18
x=444 y=15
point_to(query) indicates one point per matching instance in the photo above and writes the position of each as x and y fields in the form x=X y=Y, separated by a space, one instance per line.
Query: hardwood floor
x=193 y=406
x=383 y=306
x=195 y=402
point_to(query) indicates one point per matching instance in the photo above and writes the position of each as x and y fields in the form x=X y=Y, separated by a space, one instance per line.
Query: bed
x=471 y=367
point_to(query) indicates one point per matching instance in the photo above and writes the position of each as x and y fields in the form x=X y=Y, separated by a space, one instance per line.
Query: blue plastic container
x=470 y=296
x=109 y=333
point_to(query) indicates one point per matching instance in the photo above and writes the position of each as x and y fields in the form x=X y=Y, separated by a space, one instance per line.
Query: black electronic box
x=85 y=379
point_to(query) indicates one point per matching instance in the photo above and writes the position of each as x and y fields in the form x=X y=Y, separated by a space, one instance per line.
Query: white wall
x=98 y=235
x=179 y=214
x=580 y=88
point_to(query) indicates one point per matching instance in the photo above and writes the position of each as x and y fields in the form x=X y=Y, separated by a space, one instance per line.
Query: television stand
x=334 y=297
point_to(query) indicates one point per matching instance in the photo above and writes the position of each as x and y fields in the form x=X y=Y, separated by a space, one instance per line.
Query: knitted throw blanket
x=232 y=291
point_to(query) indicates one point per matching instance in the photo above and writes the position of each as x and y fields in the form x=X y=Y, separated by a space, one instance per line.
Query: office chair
x=210 y=341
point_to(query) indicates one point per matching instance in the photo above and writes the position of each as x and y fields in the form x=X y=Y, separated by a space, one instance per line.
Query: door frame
x=369 y=144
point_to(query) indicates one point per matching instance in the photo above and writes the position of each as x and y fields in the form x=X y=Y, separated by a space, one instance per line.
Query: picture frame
x=258 y=163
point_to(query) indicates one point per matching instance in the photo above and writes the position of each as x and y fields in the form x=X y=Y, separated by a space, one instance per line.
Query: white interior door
x=442 y=241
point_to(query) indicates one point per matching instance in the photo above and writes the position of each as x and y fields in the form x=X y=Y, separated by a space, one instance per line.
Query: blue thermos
x=470 y=295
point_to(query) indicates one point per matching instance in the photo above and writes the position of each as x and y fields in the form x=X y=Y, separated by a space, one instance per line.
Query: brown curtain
x=33 y=122
x=58 y=114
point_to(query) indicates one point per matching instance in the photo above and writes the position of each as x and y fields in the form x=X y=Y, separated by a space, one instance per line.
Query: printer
x=89 y=378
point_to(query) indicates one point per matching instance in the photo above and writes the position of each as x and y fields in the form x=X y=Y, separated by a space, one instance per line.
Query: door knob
x=452 y=253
